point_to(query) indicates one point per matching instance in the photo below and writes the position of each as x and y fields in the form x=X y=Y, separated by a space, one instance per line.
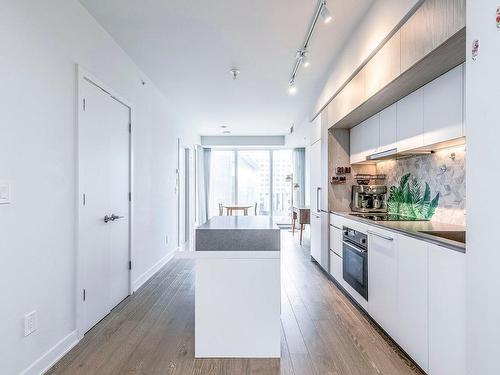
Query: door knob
x=114 y=217
x=108 y=218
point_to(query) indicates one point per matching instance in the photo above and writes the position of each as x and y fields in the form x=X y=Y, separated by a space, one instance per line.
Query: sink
x=458 y=236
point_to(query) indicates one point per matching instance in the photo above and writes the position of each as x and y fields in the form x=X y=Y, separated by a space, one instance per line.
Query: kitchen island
x=238 y=289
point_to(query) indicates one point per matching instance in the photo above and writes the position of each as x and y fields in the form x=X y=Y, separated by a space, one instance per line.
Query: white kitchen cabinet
x=446 y=311
x=443 y=107
x=370 y=133
x=383 y=279
x=410 y=121
x=336 y=240
x=315 y=179
x=356 y=146
x=315 y=132
x=336 y=267
x=412 y=292
x=388 y=126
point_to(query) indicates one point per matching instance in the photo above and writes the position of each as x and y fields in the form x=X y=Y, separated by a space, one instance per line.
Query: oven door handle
x=387 y=238
x=357 y=249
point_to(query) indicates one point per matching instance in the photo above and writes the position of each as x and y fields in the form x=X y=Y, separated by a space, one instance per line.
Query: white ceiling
x=188 y=46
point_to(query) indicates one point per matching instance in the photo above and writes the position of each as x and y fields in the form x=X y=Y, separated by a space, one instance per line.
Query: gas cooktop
x=385 y=217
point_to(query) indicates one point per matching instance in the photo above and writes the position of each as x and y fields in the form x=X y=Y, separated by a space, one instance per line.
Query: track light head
x=305 y=59
x=291 y=88
x=325 y=14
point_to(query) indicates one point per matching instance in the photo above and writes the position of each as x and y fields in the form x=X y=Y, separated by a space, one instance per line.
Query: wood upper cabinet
x=384 y=67
x=431 y=25
x=388 y=129
x=410 y=121
x=412 y=290
x=333 y=110
x=315 y=132
x=447 y=349
x=351 y=97
x=443 y=107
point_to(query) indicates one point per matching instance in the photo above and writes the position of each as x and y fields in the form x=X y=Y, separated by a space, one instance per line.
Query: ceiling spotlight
x=305 y=60
x=226 y=132
x=223 y=126
x=292 y=89
x=325 y=14
x=235 y=73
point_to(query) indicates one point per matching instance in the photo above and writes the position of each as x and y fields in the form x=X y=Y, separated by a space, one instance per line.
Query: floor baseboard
x=150 y=272
x=46 y=361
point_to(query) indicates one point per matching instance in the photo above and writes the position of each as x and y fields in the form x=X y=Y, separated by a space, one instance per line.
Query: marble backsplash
x=444 y=171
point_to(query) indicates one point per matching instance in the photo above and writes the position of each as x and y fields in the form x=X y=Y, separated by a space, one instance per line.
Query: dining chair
x=255 y=208
x=221 y=209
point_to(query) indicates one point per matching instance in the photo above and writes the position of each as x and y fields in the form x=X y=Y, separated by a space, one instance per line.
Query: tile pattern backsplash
x=444 y=170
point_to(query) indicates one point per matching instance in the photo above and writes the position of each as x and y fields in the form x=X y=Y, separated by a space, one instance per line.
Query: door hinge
x=130 y=196
x=130 y=127
x=84 y=104
x=129 y=264
x=84 y=295
x=84 y=199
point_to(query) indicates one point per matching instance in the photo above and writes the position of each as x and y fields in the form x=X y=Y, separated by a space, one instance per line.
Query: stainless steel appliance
x=355 y=260
x=369 y=198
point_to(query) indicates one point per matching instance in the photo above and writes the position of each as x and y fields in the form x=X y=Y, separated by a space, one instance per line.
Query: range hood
x=395 y=154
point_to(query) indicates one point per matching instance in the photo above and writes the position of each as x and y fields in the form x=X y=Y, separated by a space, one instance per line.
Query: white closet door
x=104 y=181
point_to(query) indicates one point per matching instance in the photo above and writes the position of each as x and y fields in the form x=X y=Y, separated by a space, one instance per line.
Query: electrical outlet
x=4 y=192
x=30 y=323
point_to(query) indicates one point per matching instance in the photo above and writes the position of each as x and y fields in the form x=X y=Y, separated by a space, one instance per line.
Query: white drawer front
x=336 y=240
x=336 y=267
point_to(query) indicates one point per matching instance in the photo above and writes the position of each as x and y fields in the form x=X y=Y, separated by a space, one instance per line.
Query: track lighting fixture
x=302 y=58
x=305 y=59
x=326 y=15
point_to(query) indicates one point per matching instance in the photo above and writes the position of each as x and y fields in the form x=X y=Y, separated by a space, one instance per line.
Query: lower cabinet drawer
x=336 y=239
x=336 y=266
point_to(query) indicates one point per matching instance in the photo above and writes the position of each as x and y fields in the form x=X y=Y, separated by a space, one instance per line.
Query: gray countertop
x=238 y=233
x=414 y=229
x=239 y=222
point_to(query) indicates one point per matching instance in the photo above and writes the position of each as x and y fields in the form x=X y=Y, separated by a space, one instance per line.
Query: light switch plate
x=30 y=323
x=4 y=192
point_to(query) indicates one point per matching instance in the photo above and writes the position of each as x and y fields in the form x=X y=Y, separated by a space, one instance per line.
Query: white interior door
x=104 y=182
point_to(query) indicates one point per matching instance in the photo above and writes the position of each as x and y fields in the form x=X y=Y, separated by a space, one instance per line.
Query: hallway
x=152 y=332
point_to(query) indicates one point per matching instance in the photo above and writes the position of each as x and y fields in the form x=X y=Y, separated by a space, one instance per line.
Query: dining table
x=230 y=208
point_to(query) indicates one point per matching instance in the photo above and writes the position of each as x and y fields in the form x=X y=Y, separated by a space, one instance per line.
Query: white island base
x=237 y=304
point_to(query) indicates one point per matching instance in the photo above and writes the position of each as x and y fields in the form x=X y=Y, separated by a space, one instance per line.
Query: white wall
x=483 y=159
x=41 y=43
x=382 y=17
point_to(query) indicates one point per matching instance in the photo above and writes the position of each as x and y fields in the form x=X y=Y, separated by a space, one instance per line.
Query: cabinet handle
x=318 y=189
x=380 y=235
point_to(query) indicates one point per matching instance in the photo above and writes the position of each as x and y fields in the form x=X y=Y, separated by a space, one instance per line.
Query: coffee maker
x=369 y=198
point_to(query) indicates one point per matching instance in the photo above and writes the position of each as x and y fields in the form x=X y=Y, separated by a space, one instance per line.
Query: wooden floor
x=153 y=331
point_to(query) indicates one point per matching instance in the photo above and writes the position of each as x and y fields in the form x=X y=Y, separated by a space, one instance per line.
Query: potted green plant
x=408 y=200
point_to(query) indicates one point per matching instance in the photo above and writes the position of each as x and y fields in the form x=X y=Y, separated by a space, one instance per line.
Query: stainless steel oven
x=355 y=260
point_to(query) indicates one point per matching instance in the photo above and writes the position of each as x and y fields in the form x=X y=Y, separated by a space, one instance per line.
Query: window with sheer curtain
x=249 y=177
